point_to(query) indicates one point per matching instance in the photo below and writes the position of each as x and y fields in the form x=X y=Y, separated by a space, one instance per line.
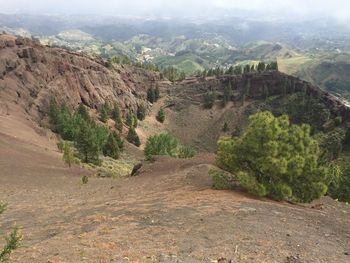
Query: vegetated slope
x=193 y=124
x=326 y=69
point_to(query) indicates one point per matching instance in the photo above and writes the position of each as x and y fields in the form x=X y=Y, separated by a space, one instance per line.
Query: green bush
x=60 y=145
x=340 y=186
x=13 y=241
x=166 y=144
x=186 y=152
x=2 y=207
x=276 y=159
x=161 y=144
x=249 y=182
x=68 y=154
x=220 y=180
x=332 y=143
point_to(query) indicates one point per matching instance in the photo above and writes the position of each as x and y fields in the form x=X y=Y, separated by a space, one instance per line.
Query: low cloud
x=191 y=8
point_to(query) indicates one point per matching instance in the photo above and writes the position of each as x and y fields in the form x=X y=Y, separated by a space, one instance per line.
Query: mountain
x=317 y=50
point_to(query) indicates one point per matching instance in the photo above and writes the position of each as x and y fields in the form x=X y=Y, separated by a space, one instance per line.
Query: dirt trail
x=168 y=213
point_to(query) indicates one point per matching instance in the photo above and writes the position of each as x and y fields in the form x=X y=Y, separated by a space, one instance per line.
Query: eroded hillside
x=31 y=75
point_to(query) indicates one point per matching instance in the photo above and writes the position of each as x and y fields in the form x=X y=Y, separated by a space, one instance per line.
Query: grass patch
x=116 y=168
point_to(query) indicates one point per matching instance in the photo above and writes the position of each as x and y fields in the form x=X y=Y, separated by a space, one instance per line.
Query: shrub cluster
x=166 y=144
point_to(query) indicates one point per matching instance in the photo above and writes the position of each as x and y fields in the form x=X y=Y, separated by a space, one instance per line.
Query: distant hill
x=315 y=50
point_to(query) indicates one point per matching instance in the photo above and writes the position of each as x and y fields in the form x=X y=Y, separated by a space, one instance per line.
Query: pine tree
x=156 y=93
x=68 y=154
x=273 y=65
x=105 y=112
x=266 y=91
x=204 y=74
x=161 y=115
x=247 y=87
x=261 y=66
x=238 y=70
x=227 y=94
x=111 y=147
x=225 y=128
x=82 y=112
x=151 y=96
x=141 y=112
x=252 y=68
x=132 y=137
x=131 y=119
x=229 y=71
x=66 y=124
x=101 y=133
x=54 y=112
x=119 y=141
x=276 y=159
x=182 y=76
x=86 y=144
x=115 y=114
x=209 y=99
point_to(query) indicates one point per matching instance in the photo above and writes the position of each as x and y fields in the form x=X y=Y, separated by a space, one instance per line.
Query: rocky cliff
x=32 y=74
x=259 y=85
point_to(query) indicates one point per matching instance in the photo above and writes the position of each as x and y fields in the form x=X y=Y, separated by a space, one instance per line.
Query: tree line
x=124 y=60
x=89 y=138
x=238 y=69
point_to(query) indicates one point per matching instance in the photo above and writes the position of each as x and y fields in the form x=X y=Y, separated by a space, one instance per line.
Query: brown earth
x=168 y=213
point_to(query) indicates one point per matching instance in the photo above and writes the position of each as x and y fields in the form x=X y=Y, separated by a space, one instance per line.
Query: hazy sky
x=333 y=8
